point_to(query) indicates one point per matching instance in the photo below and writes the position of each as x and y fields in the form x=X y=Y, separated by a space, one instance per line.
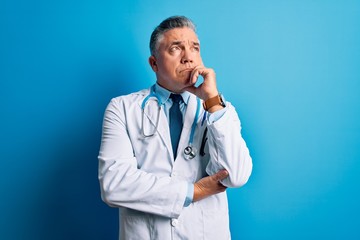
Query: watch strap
x=212 y=102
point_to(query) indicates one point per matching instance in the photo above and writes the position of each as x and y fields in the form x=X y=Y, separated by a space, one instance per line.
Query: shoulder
x=129 y=99
x=132 y=96
x=121 y=106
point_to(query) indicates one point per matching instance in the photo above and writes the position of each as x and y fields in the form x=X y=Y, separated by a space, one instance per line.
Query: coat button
x=174 y=222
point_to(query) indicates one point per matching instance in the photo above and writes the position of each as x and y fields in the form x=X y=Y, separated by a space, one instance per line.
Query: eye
x=174 y=48
x=197 y=49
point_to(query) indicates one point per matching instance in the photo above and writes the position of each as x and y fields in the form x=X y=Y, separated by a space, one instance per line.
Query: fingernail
x=225 y=173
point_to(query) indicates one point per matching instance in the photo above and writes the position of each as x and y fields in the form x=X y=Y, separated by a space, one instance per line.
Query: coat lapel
x=151 y=112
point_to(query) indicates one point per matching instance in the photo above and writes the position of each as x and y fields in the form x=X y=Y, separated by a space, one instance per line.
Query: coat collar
x=164 y=94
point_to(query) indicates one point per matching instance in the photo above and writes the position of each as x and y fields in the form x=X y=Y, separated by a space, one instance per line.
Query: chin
x=187 y=82
x=184 y=76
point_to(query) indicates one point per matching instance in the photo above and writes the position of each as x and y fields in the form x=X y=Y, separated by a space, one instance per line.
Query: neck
x=169 y=89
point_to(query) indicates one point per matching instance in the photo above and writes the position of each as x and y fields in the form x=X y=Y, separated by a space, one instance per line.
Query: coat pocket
x=134 y=225
x=216 y=224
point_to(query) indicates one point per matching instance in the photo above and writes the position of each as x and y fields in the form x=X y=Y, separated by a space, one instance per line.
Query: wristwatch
x=217 y=100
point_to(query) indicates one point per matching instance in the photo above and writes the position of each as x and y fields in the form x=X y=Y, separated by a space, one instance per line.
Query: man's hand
x=210 y=185
x=207 y=89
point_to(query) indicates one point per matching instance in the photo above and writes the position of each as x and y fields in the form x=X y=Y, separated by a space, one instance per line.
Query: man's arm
x=210 y=185
x=122 y=184
x=227 y=148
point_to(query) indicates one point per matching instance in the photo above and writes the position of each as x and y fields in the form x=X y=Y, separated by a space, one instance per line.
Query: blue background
x=291 y=68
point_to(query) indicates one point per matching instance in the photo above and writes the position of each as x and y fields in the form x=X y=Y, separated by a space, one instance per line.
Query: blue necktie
x=176 y=121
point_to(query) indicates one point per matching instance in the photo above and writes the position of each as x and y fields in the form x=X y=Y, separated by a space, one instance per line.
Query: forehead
x=179 y=34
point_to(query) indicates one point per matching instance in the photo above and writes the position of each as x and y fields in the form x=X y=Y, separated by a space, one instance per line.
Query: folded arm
x=122 y=184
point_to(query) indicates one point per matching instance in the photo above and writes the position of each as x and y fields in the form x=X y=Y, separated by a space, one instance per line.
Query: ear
x=153 y=64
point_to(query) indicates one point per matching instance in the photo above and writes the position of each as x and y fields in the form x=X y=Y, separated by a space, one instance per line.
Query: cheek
x=171 y=65
x=200 y=60
x=168 y=64
x=167 y=68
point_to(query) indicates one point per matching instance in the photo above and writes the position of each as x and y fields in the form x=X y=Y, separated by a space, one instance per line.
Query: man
x=163 y=189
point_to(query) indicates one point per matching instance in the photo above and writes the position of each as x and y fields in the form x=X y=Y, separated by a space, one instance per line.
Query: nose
x=187 y=56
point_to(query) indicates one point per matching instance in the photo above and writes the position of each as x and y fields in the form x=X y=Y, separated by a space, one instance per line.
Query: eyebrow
x=180 y=42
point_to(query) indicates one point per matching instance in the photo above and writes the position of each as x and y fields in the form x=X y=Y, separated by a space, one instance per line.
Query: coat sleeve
x=122 y=184
x=228 y=149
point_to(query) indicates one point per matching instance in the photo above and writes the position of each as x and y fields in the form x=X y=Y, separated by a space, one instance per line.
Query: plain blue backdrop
x=291 y=68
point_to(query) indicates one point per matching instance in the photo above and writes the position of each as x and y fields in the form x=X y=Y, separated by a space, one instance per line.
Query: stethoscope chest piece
x=190 y=152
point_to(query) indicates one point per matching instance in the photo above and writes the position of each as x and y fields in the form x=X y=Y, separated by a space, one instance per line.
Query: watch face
x=222 y=100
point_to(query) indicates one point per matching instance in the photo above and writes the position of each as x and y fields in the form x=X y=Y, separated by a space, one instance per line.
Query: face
x=178 y=54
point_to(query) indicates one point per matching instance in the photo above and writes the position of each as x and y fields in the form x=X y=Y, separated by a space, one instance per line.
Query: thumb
x=220 y=175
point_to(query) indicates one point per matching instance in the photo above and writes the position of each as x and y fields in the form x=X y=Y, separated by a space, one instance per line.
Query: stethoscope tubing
x=188 y=153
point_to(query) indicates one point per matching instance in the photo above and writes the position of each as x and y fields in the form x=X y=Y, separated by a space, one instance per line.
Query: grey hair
x=166 y=25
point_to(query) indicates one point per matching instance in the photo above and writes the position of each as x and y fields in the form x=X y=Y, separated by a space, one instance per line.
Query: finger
x=198 y=70
x=194 y=76
x=220 y=175
x=221 y=187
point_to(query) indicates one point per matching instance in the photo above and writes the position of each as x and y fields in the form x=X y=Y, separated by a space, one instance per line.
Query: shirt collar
x=164 y=94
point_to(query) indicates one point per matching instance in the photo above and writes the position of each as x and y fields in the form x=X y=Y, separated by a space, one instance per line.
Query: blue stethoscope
x=190 y=151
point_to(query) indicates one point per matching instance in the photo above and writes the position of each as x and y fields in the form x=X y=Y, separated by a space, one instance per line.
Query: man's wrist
x=196 y=196
x=214 y=103
x=211 y=95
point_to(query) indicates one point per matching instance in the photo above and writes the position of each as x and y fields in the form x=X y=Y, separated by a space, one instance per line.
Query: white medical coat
x=140 y=177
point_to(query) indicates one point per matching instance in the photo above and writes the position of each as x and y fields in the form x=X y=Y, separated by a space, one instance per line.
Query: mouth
x=186 y=70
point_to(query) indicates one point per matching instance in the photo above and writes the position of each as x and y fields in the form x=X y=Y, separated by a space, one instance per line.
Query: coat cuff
x=189 y=195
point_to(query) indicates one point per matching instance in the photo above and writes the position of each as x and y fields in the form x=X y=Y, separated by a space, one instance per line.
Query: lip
x=187 y=70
